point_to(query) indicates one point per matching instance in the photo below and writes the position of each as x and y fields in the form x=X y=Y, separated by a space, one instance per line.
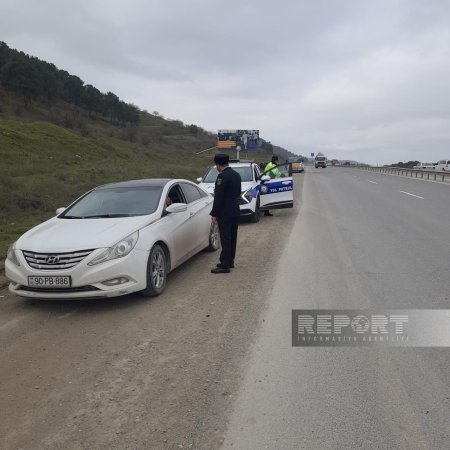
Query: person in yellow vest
x=273 y=172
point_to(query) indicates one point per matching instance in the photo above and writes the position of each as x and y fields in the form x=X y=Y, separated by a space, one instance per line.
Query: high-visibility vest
x=272 y=170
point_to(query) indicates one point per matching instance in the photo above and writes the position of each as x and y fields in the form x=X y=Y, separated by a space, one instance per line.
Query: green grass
x=45 y=166
x=10 y=231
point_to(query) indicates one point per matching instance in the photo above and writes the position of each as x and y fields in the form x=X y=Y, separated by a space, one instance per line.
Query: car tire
x=214 y=238
x=156 y=272
x=254 y=218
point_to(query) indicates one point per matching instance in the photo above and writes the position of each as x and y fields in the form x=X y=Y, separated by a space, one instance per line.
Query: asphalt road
x=209 y=363
x=361 y=240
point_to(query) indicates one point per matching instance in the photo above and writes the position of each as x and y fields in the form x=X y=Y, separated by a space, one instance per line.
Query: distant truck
x=320 y=161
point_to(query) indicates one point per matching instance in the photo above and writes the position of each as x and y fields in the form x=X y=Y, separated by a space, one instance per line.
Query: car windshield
x=244 y=171
x=115 y=202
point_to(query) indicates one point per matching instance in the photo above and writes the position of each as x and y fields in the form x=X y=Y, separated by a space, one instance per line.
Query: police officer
x=272 y=169
x=273 y=172
x=226 y=211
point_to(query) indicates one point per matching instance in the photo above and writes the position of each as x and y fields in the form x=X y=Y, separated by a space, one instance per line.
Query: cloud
x=350 y=77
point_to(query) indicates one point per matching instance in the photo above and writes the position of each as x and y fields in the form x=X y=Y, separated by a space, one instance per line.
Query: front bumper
x=87 y=281
x=247 y=209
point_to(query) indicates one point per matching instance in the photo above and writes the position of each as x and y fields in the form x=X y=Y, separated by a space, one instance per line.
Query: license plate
x=49 y=282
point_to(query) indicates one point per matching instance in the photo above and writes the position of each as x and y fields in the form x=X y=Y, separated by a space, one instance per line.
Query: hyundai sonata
x=115 y=239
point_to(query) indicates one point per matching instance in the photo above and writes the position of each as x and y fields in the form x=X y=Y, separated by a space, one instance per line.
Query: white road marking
x=412 y=195
x=355 y=176
x=374 y=182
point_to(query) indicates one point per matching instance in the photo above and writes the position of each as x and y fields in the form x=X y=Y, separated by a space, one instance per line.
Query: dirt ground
x=137 y=373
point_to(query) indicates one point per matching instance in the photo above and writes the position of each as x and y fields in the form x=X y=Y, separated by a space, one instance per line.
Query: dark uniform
x=226 y=208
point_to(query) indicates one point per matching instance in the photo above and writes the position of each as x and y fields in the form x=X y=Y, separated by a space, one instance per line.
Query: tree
x=4 y=54
x=20 y=76
x=111 y=106
x=193 y=129
x=72 y=88
x=92 y=99
x=128 y=113
x=50 y=86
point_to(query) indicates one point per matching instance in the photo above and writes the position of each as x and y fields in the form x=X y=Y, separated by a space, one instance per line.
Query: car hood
x=209 y=187
x=66 y=235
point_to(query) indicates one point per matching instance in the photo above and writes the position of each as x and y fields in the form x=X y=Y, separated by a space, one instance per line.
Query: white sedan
x=115 y=239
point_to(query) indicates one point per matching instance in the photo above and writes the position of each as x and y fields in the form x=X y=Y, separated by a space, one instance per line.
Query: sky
x=355 y=79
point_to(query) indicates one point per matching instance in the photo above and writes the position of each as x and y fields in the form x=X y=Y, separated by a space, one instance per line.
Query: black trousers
x=228 y=228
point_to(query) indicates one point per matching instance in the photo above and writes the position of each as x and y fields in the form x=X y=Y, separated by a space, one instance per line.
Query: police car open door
x=278 y=192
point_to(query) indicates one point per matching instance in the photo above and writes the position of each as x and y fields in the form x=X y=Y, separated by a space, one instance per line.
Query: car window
x=281 y=171
x=244 y=171
x=175 y=195
x=191 y=192
x=115 y=202
x=202 y=192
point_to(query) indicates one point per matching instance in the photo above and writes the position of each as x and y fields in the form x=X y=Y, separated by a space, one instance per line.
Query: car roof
x=239 y=164
x=150 y=182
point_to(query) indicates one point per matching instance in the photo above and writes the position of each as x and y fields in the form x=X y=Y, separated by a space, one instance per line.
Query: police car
x=259 y=192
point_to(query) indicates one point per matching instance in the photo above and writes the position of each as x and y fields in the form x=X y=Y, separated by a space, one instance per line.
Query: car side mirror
x=265 y=178
x=199 y=180
x=60 y=210
x=176 y=208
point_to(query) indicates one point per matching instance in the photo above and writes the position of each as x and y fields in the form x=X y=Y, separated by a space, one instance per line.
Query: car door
x=178 y=226
x=278 y=192
x=198 y=214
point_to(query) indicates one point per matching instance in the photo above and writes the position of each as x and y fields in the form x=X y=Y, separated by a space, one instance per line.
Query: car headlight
x=119 y=250
x=247 y=195
x=11 y=255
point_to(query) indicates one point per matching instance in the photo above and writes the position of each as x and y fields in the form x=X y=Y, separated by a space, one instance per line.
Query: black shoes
x=220 y=270
x=268 y=213
x=221 y=267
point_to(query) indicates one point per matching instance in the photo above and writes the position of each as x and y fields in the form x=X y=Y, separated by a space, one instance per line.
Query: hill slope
x=45 y=166
x=60 y=137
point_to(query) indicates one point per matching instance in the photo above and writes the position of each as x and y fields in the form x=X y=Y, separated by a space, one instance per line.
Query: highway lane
x=358 y=242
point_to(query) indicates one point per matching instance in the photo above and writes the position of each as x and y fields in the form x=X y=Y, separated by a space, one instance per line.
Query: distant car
x=259 y=191
x=444 y=165
x=424 y=166
x=114 y=240
x=298 y=167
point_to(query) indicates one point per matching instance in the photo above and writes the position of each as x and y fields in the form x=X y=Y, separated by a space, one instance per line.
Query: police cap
x=221 y=159
x=274 y=158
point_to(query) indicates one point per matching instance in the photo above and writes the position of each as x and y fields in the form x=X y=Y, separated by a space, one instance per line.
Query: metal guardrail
x=434 y=175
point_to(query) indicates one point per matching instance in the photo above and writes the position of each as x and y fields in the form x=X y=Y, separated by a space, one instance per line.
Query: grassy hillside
x=46 y=165
x=60 y=137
